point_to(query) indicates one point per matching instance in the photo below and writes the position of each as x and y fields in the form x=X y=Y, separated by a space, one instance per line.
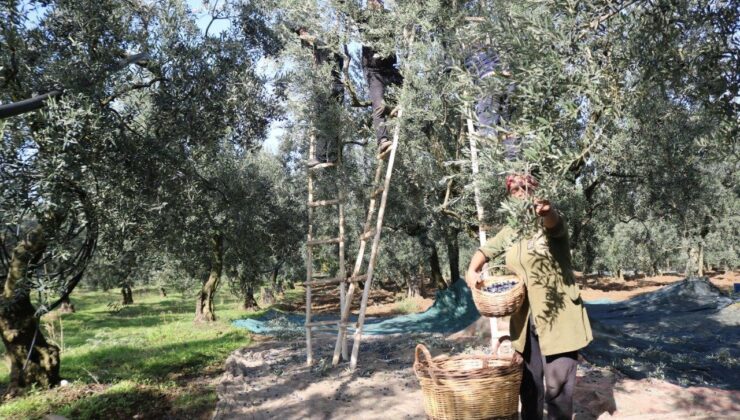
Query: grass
x=146 y=360
x=407 y=305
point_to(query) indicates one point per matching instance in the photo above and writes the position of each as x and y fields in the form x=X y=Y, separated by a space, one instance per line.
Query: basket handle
x=424 y=352
x=494 y=350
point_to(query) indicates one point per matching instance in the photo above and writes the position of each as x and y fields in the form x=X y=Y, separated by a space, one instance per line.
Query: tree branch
x=131 y=88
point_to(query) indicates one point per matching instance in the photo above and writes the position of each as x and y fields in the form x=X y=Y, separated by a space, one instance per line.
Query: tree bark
x=67 y=306
x=267 y=296
x=162 y=292
x=127 y=295
x=250 y=303
x=19 y=327
x=453 y=254
x=204 y=311
x=412 y=286
x=276 y=286
x=435 y=269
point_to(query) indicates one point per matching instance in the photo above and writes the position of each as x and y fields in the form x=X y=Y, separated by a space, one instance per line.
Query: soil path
x=270 y=380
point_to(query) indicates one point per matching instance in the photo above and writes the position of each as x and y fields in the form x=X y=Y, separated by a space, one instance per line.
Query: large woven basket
x=498 y=304
x=468 y=386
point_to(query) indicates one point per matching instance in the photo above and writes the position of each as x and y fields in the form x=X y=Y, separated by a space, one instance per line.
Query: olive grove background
x=144 y=166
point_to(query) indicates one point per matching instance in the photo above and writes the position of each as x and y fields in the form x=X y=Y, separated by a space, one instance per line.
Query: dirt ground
x=270 y=380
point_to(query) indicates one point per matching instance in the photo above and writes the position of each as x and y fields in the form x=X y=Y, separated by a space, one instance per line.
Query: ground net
x=687 y=333
x=452 y=311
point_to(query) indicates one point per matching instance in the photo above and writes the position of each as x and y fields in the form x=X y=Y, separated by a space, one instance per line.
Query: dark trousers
x=379 y=73
x=559 y=373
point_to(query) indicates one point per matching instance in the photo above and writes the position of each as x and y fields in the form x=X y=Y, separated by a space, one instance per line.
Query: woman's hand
x=544 y=209
x=472 y=278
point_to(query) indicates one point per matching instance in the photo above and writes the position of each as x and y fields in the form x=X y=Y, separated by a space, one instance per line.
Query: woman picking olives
x=551 y=325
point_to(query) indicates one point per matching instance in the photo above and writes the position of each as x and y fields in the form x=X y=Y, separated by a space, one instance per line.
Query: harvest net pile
x=687 y=332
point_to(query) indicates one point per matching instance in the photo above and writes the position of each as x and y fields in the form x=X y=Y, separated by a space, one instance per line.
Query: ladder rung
x=332 y=323
x=322 y=323
x=335 y=280
x=324 y=241
x=367 y=235
x=323 y=203
x=324 y=281
x=377 y=192
x=322 y=166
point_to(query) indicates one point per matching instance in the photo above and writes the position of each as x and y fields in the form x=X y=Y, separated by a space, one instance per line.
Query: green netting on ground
x=452 y=311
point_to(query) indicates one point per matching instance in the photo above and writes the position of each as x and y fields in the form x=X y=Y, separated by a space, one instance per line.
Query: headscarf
x=529 y=180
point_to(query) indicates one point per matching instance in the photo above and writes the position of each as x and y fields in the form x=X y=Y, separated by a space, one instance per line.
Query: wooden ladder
x=381 y=185
x=322 y=279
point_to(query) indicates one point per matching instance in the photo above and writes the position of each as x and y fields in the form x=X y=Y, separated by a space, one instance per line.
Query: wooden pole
x=309 y=255
x=479 y=209
x=376 y=243
x=342 y=271
x=341 y=340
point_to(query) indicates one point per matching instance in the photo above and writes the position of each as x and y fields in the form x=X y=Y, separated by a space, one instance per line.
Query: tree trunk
x=700 y=261
x=127 y=295
x=276 y=285
x=67 y=306
x=620 y=275
x=18 y=326
x=453 y=254
x=20 y=331
x=267 y=296
x=412 y=286
x=435 y=270
x=250 y=303
x=204 y=311
x=162 y=292
x=422 y=277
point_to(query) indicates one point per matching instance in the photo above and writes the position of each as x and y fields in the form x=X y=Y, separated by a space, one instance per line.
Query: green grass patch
x=146 y=360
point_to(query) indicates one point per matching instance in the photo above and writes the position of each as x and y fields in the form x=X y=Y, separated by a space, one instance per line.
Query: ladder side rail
x=342 y=270
x=376 y=242
x=309 y=256
x=341 y=342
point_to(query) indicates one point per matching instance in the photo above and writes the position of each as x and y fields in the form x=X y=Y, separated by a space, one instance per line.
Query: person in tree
x=552 y=325
x=326 y=144
x=491 y=109
x=380 y=70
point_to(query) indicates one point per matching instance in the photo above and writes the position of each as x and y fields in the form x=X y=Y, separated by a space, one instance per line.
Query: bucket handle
x=424 y=352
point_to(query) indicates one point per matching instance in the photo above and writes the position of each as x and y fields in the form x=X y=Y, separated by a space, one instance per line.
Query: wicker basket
x=498 y=304
x=468 y=386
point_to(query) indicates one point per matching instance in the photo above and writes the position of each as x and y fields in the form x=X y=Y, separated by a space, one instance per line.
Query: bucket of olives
x=498 y=294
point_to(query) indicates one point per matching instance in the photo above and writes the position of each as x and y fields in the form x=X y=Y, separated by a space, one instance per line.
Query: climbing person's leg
x=485 y=111
x=379 y=73
x=532 y=389
x=560 y=381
